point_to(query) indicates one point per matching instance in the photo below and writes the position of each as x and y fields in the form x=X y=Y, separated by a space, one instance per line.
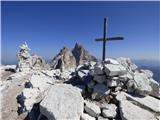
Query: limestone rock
x=143 y=87
x=38 y=63
x=92 y=109
x=102 y=118
x=148 y=73
x=111 y=61
x=109 y=111
x=63 y=101
x=126 y=62
x=85 y=116
x=148 y=102
x=64 y=60
x=131 y=86
x=129 y=111
x=155 y=88
x=81 y=55
x=114 y=70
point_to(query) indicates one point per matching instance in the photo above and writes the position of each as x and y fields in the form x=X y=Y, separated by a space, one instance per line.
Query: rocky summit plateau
x=76 y=86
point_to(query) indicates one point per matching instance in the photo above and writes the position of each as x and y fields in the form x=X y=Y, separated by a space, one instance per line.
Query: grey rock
x=85 y=116
x=155 y=88
x=129 y=111
x=81 y=55
x=111 y=61
x=109 y=111
x=64 y=60
x=92 y=109
x=148 y=73
x=143 y=87
x=59 y=105
x=102 y=118
x=131 y=86
x=114 y=70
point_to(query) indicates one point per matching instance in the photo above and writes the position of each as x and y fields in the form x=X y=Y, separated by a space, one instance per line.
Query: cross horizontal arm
x=109 y=39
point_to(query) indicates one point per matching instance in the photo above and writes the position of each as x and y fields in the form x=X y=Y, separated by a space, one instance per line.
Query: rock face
x=67 y=58
x=62 y=102
x=81 y=54
x=64 y=60
x=27 y=62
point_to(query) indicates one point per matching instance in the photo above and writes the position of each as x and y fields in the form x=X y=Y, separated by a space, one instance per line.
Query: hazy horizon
x=48 y=26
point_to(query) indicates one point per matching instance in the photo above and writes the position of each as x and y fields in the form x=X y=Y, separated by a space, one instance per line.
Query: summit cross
x=105 y=39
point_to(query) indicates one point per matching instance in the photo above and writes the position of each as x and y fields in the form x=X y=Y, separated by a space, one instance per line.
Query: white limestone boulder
x=131 y=86
x=126 y=62
x=63 y=101
x=109 y=111
x=92 y=109
x=143 y=84
x=114 y=70
x=111 y=61
x=130 y=111
x=85 y=116
x=148 y=73
x=102 y=118
x=155 y=88
x=148 y=102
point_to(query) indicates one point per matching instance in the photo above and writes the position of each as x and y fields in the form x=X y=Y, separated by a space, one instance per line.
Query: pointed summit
x=81 y=54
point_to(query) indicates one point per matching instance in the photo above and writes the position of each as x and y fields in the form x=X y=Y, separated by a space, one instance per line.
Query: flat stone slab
x=63 y=101
x=87 y=117
x=148 y=102
x=114 y=70
x=129 y=111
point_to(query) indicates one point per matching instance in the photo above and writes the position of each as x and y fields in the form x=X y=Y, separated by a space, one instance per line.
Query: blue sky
x=48 y=26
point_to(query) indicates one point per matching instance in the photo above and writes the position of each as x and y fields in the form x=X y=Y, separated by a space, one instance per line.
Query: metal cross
x=105 y=39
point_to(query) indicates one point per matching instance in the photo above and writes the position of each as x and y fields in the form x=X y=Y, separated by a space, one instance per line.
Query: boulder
x=111 y=61
x=143 y=87
x=131 y=86
x=155 y=88
x=85 y=116
x=147 y=102
x=148 y=73
x=114 y=70
x=99 y=90
x=130 y=111
x=92 y=109
x=109 y=111
x=63 y=101
x=126 y=62
x=102 y=118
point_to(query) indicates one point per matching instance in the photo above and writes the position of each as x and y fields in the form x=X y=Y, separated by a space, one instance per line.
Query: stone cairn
x=105 y=81
x=24 y=62
x=29 y=62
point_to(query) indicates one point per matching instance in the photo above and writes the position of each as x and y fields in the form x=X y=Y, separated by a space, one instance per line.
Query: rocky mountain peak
x=68 y=58
x=82 y=55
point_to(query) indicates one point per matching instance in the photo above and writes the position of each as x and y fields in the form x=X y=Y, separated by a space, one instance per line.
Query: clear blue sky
x=48 y=26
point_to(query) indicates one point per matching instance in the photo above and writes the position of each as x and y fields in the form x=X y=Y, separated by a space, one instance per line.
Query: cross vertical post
x=104 y=39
